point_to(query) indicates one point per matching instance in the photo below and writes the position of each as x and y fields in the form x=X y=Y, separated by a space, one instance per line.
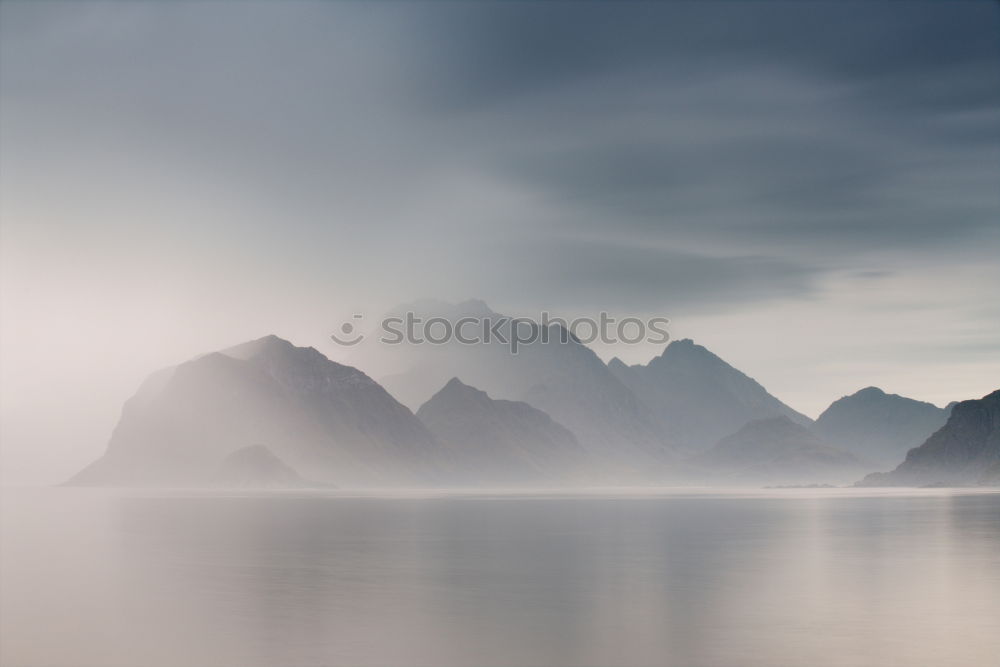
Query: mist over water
x=666 y=578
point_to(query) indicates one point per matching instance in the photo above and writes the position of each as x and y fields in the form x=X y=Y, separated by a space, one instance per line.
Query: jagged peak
x=455 y=386
x=263 y=345
x=685 y=346
x=877 y=394
x=617 y=363
x=456 y=392
x=684 y=350
x=277 y=353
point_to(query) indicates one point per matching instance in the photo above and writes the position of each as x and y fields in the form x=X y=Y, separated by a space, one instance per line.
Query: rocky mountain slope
x=561 y=377
x=877 y=426
x=696 y=397
x=328 y=421
x=965 y=451
x=777 y=451
x=501 y=442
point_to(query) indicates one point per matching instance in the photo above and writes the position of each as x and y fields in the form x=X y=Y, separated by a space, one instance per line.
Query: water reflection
x=822 y=579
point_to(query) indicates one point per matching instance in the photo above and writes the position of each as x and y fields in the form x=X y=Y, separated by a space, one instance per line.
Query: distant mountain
x=777 y=451
x=697 y=397
x=329 y=421
x=877 y=426
x=497 y=441
x=966 y=450
x=256 y=467
x=561 y=377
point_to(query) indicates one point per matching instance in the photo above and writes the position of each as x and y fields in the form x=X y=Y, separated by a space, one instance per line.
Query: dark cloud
x=816 y=135
x=485 y=53
x=810 y=188
x=610 y=275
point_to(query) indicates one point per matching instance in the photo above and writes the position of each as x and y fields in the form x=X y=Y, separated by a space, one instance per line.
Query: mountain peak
x=870 y=392
x=455 y=389
x=698 y=397
x=456 y=385
x=688 y=354
x=269 y=344
x=878 y=426
x=311 y=411
x=617 y=363
x=498 y=440
x=685 y=348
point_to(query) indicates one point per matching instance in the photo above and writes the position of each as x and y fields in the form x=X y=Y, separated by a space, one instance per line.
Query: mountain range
x=561 y=377
x=268 y=413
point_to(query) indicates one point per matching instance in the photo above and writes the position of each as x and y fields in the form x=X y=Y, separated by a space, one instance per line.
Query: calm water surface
x=685 y=579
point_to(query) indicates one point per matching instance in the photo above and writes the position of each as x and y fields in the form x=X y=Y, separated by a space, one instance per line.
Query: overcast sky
x=811 y=190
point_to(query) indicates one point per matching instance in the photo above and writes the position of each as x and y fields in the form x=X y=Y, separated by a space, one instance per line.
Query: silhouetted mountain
x=562 y=377
x=697 y=397
x=498 y=441
x=777 y=451
x=329 y=421
x=966 y=450
x=256 y=467
x=877 y=426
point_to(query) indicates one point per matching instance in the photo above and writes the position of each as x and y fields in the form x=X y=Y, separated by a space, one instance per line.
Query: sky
x=808 y=189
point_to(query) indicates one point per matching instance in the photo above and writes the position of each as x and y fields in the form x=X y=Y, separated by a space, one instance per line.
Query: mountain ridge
x=331 y=421
x=879 y=426
x=777 y=450
x=501 y=441
x=697 y=396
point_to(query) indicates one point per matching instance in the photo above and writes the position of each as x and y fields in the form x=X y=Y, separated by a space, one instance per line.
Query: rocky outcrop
x=965 y=451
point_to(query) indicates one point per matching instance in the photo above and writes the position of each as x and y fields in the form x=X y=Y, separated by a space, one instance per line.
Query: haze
x=810 y=190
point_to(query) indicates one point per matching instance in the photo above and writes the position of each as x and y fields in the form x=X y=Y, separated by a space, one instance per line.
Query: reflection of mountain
x=697 y=397
x=777 y=451
x=562 y=377
x=330 y=422
x=966 y=450
x=497 y=441
x=879 y=427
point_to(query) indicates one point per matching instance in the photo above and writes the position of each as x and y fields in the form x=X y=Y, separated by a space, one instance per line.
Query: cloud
x=293 y=159
x=607 y=274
